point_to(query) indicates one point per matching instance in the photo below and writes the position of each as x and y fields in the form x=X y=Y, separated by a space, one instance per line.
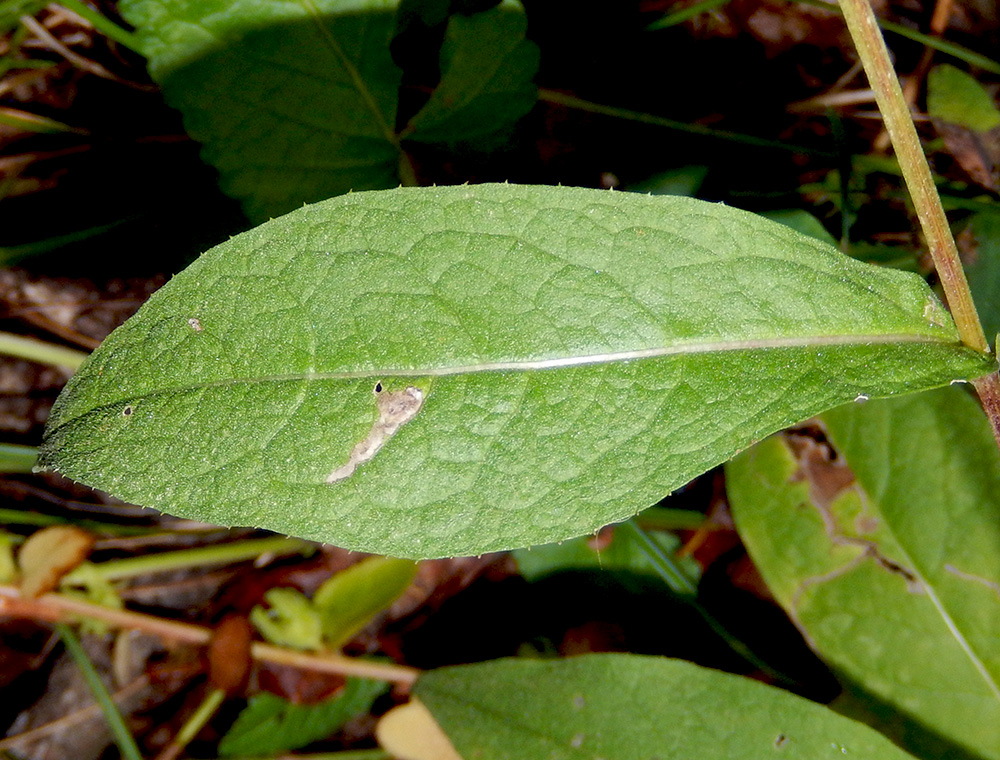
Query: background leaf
x=894 y=577
x=581 y=354
x=487 y=68
x=956 y=97
x=622 y=707
x=292 y=101
x=351 y=598
x=984 y=270
x=272 y=725
x=620 y=554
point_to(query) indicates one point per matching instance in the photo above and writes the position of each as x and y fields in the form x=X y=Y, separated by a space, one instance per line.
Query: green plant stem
x=16 y=458
x=223 y=554
x=679 y=17
x=24 y=517
x=874 y=56
x=562 y=99
x=678 y=582
x=672 y=573
x=209 y=706
x=103 y=24
x=29 y=122
x=41 y=352
x=663 y=518
x=123 y=738
x=59 y=607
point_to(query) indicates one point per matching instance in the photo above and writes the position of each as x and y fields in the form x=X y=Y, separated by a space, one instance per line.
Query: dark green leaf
x=487 y=72
x=983 y=270
x=293 y=102
x=272 y=725
x=625 y=707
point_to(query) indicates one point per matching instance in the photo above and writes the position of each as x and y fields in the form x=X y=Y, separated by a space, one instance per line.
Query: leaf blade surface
x=627 y=707
x=895 y=577
x=580 y=354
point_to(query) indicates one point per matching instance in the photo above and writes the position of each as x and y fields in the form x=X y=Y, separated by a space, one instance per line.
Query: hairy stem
x=874 y=56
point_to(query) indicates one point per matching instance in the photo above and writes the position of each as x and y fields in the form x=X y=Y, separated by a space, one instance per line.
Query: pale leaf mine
x=395 y=409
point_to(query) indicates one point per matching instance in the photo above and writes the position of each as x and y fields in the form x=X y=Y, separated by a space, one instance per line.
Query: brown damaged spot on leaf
x=49 y=554
x=829 y=478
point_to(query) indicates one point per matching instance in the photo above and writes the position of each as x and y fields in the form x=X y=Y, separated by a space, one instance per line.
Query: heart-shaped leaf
x=888 y=556
x=439 y=371
x=626 y=707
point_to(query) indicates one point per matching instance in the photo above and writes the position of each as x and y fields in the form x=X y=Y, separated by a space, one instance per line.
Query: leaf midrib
x=567 y=362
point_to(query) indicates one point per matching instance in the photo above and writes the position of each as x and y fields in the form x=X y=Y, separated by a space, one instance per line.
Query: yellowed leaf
x=49 y=554
x=409 y=732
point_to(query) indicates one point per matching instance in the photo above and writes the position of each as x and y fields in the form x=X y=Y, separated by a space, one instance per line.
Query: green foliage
x=571 y=347
x=620 y=554
x=956 y=97
x=626 y=707
x=350 y=599
x=890 y=567
x=271 y=725
x=983 y=270
x=295 y=102
x=802 y=221
x=289 y=620
x=487 y=67
x=453 y=371
x=340 y=608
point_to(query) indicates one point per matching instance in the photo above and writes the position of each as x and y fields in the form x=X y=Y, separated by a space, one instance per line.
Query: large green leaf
x=578 y=355
x=889 y=558
x=626 y=707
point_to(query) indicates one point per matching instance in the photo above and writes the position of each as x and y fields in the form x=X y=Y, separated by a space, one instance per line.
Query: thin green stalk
x=223 y=554
x=679 y=17
x=29 y=122
x=16 y=458
x=123 y=738
x=209 y=706
x=671 y=572
x=103 y=24
x=41 y=352
x=562 y=99
x=662 y=518
x=874 y=56
x=24 y=517
x=935 y=43
x=678 y=581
